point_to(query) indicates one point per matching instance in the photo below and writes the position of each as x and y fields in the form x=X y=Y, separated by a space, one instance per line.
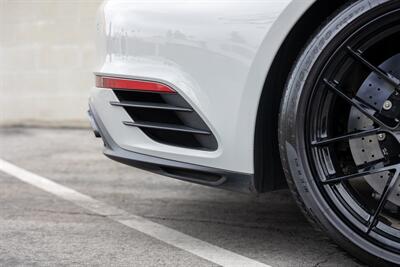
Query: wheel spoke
x=381 y=73
x=349 y=130
x=390 y=184
x=345 y=137
x=361 y=107
x=367 y=171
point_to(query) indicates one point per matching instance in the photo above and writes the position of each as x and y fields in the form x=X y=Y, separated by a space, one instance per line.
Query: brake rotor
x=377 y=93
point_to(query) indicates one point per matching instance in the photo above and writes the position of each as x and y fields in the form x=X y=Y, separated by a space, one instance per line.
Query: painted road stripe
x=170 y=236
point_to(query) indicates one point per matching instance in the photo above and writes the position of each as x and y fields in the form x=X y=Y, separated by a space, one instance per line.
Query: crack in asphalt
x=247 y=226
x=70 y=212
x=325 y=259
x=321 y=262
x=163 y=218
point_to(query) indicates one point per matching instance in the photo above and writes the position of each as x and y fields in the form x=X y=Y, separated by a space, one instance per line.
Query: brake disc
x=375 y=92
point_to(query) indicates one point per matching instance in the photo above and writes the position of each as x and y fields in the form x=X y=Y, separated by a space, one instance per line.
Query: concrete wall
x=46 y=60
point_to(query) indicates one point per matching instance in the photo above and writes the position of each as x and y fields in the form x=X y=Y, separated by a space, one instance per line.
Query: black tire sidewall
x=291 y=133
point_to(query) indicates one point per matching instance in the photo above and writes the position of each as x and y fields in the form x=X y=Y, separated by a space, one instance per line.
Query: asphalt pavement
x=38 y=228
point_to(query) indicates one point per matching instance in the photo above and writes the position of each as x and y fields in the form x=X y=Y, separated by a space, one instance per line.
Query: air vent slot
x=149 y=105
x=166 y=118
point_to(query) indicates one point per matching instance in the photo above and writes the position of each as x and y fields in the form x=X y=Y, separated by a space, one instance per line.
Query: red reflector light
x=118 y=83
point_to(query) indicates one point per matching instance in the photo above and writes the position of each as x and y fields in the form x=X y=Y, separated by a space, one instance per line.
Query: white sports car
x=257 y=95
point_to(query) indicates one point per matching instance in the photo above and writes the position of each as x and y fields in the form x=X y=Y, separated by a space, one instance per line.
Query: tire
x=314 y=107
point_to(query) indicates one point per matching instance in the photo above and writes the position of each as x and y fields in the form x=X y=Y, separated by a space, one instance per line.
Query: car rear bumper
x=209 y=176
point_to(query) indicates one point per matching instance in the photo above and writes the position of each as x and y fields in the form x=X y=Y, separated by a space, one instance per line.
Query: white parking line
x=177 y=239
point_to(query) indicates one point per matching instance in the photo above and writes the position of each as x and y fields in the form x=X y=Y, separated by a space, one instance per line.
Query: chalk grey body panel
x=215 y=54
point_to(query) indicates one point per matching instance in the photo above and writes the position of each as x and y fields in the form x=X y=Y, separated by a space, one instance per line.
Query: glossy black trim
x=149 y=105
x=234 y=181
x=167 y=119
x=166 y=127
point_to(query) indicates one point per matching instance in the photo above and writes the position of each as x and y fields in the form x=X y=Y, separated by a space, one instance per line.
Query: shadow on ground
x=268 y=228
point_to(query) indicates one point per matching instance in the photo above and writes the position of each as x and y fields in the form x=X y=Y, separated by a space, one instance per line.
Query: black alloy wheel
x=340 y=130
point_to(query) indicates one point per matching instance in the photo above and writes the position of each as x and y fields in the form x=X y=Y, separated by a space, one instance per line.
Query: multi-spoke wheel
x=340 y=130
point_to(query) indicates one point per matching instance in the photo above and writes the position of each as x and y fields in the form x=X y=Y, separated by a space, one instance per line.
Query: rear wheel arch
x=268 y=173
